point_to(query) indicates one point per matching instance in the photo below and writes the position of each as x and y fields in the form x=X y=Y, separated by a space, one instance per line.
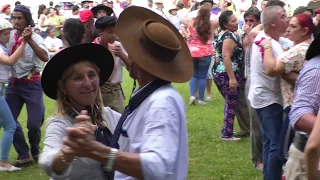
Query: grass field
x=210 y=158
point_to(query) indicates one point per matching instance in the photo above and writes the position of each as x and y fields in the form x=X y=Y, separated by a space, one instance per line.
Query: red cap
x=85 y=15
x=317 y=11
x=4 y=7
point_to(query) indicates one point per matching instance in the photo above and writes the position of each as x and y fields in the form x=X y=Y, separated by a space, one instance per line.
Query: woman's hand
x=80 y=140
x=265 y=42
x=233 y=84
x=214 y=52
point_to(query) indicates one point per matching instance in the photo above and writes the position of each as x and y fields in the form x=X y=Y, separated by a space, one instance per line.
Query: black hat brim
x=313 y=49
x=108 y=10
x=205 y=1
x=82 y=52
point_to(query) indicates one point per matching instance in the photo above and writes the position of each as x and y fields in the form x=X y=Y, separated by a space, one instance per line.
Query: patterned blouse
x=293 y=60
x=196 y=47
x=237 y=57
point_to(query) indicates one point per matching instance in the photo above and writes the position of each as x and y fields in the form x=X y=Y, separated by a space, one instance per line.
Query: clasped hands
x=27 y=34
x=80 y=141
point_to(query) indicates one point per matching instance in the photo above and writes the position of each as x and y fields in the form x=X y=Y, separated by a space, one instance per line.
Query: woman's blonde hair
x=62 y=102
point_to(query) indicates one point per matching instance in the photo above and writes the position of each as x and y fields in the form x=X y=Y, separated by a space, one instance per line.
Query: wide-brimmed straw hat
x=99 y=7
x=82 y=52
x=155 y=44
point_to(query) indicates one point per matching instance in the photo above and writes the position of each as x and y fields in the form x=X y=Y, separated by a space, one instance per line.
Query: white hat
x=158 y=2
x=5 y=24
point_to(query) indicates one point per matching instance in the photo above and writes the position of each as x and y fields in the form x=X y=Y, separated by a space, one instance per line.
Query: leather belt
x=110 y=88
x=300 y=141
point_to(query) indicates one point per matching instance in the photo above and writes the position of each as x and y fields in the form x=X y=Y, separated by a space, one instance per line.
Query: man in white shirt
x=74 y=13
x=52 y=43
x=112 y=94
x=151 y=134
x=6 y=12
x=265 y=93
x=159 y=8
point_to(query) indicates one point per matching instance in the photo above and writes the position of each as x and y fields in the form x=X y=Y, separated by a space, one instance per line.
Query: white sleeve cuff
x=46 y=164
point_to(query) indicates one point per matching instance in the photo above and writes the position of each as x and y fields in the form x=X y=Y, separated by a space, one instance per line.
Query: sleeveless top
x=237 y=56
x=196 y=46
x=44 y=22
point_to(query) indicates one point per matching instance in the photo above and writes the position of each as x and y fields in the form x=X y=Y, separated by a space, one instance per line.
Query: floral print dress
x=293 y=60
x=237 y=57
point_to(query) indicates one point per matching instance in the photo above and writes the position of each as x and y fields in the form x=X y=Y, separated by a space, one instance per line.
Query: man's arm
x=306 y=102
x=40 y=52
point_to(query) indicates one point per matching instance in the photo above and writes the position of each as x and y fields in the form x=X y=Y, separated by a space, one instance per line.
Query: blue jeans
x=271 y=118
x=9 y=126
x=201 y=67
x=286 y=137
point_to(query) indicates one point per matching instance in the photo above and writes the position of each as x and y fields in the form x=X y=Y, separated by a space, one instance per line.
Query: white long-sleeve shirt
x=157 y=131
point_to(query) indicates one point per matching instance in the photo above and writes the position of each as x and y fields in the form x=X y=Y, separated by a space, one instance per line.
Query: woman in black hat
x=72 y=78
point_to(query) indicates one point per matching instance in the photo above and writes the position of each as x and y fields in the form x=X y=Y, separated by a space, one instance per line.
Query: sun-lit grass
x=209 y=157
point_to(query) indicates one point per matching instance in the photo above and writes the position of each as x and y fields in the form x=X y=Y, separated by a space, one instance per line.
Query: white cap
x=5 y=24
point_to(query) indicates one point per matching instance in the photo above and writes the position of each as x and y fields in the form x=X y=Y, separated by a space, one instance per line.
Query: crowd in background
x=261 y=55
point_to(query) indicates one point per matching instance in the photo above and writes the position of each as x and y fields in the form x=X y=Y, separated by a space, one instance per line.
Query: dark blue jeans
x=29 y=93
x=271 y=118
x=286 y=137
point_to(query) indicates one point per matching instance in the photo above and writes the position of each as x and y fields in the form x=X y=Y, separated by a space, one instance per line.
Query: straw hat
x=61 y=61
x=173 y=7
x=158 y=2
x=155 y=44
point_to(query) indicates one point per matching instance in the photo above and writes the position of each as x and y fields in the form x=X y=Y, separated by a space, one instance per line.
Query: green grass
x=210 y=158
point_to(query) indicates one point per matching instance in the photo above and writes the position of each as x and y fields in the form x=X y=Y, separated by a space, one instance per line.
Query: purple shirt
x=307 y=91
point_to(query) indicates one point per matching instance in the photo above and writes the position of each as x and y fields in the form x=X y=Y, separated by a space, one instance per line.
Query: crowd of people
x=262 y=59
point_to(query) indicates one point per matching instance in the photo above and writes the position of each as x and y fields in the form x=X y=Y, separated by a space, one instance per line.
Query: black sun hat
x=61 y=61
x=107 y=9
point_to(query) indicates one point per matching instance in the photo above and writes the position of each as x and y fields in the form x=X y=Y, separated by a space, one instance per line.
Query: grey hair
x=268 y=14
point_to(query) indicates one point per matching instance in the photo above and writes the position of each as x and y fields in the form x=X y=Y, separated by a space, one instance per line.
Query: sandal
x=258 y=168
x=12 y=168
x=231 y=139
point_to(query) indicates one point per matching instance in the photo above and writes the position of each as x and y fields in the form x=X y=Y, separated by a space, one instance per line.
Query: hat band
x=156 y=50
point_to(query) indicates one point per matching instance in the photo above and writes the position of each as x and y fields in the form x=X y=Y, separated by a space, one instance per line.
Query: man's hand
x=115 y=50
x=80 y=140
x=27 y=33
x=247 y=29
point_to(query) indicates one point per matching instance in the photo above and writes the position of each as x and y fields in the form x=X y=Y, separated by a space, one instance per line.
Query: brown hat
x=155 y=44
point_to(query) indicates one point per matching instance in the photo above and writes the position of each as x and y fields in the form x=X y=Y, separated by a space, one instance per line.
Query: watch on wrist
x=111 y=159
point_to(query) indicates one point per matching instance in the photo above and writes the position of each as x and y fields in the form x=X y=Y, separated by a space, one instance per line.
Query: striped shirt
x=307 y=91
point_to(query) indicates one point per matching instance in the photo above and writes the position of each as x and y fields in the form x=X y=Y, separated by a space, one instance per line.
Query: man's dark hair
x=180 y=5
x=51 y=3
x=17 y=3
x=253 y=11
x=73 y=31
x=75 y=8
x=302 y=9
x=50 y=28
x=275 y=3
